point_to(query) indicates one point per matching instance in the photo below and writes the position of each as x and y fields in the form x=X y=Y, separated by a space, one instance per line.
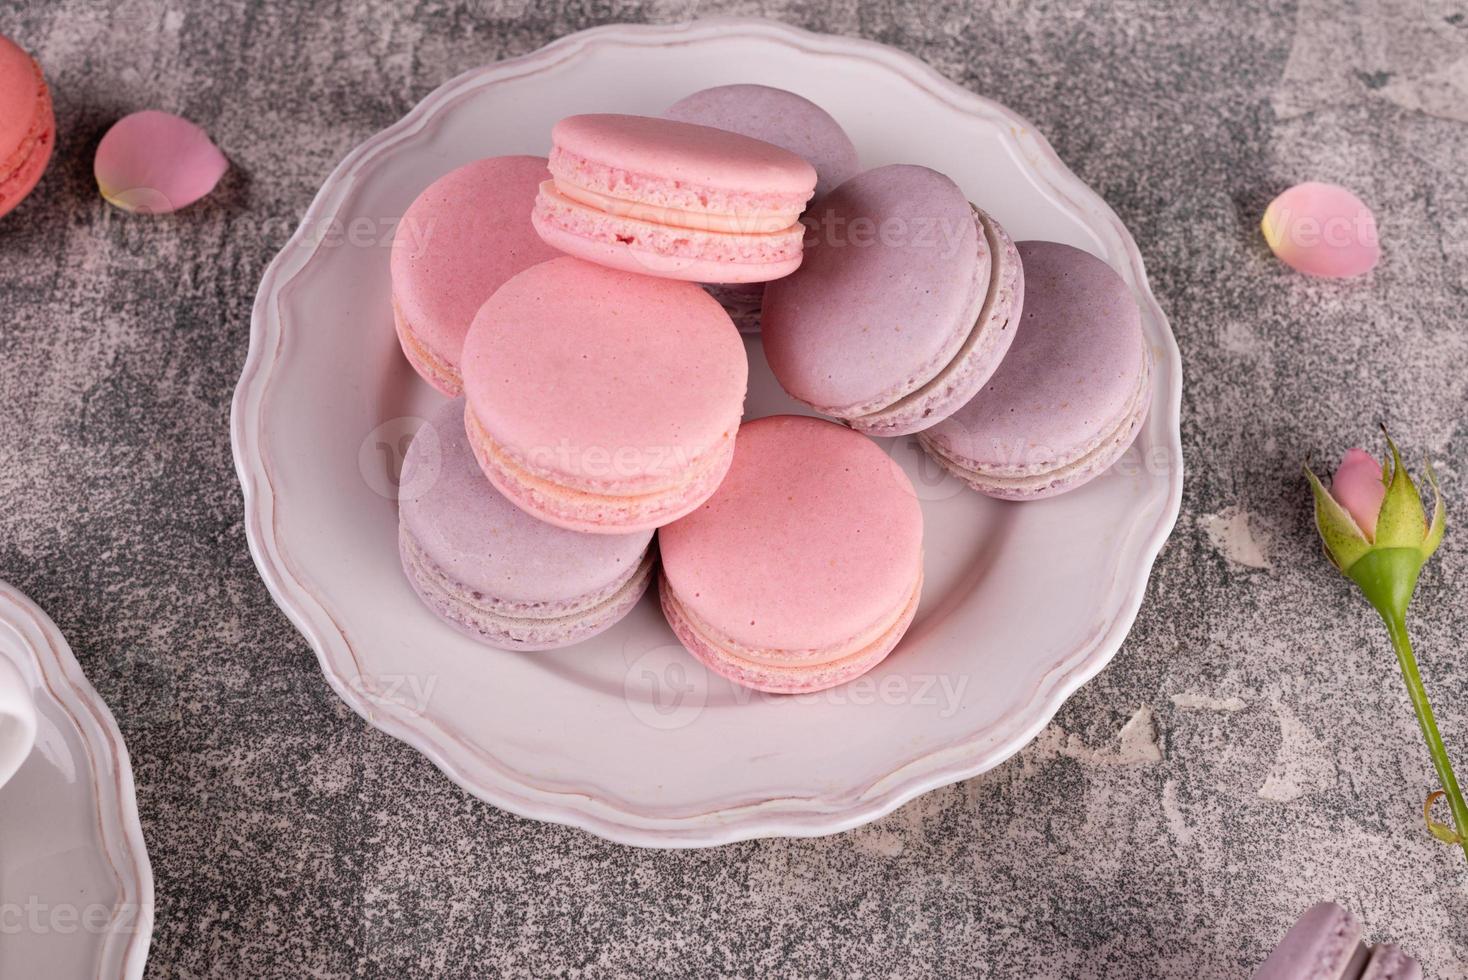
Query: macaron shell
x=1324 y=944
x=782 y=679
x=494 y=571
x=675 y=164
x=460 y=240
x=1070 y=393
x=1390 y=963
x=814 y=537
x=776 y=116
x=894 y=277
x=598 y=396
x=27 y=124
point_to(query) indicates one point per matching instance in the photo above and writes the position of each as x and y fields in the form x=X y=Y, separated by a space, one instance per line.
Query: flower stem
x=1397 y=625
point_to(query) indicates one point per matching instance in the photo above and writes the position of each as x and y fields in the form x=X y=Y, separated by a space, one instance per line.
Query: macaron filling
x=528 y=623
x=953 y=382
x=443 y=375
x=685 y=204
x=661 y=240
x=583 y=503
x=1027 y=479
x=789 y=671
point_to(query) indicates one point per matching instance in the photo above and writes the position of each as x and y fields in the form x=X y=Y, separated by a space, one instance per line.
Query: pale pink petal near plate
x=1322 y=230
x=154 y=162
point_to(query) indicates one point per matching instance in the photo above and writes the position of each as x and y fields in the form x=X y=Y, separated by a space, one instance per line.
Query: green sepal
x=1388 y=576
x=1400 y=523
x=1343 y=539
x=1439 y=516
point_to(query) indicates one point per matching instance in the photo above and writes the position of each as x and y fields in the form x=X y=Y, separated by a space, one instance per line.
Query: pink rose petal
x=1322 y=230
x=1357 y=486
x=155 y=162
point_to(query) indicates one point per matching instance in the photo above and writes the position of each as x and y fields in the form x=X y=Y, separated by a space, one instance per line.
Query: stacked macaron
x=603 y=387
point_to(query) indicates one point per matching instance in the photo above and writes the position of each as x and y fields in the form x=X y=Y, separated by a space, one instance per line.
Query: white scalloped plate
x=76 y=889
x=625 y=735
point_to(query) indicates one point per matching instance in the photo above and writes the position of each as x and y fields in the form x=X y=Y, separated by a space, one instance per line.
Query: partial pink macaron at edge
x=600 y=400
x=460 y=240
x=804 y=569
x=673 y=200
x=1322 y=230
x=27 y=124
x=154 y=162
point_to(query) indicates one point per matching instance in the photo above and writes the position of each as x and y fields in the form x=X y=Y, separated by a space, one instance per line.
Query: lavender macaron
x=787 y=120
x=494 y=572
x=1071 y=394
x=904 y=304
x=1325 y=944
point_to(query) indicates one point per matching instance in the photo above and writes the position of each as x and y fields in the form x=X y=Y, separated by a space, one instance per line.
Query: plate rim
x=787 y=816
x=119 y=825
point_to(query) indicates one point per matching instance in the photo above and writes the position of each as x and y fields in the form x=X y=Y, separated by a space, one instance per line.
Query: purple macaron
x=1071 y=394
x=1325 y=944
x=787 y=120
x=904 y=304
x=494 y=572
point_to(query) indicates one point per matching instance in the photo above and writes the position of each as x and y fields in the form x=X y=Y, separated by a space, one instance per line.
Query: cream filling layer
x=1098 y=454
x=556 y=483
x=739 y=224
x=847 y=649
x=471 y=609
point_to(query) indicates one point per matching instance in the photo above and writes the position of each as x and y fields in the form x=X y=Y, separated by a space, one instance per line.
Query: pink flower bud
x=1358 y=487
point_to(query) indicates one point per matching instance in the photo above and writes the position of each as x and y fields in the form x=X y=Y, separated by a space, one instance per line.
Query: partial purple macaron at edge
x=905 y=304
x=1071 y=394
x=787 y=120
x=494 y=572
x=1325 y=944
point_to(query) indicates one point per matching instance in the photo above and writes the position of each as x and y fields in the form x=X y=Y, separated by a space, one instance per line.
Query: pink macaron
x=494 y=572
x=27 y=124
x=459 y=241
x=601 y=400
x=805 y=568
x=671 y=199
x=1070 y=396
x=904 y=306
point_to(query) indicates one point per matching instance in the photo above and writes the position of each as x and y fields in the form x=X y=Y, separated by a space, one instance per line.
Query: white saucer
x=76 y=889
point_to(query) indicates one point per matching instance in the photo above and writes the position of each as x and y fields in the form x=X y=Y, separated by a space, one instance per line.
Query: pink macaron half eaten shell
x=458 y=242
x=805 y=568
x=672 y=199
x=1070 y=396
x=903 y=307
x=601 y=400
x=491 y=570
x=27 y=124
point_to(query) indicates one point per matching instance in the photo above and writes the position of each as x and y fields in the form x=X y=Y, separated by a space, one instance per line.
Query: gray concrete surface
x=1249 y=751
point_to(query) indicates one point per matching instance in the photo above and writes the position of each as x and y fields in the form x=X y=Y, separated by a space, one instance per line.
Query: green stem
x=1397 y=624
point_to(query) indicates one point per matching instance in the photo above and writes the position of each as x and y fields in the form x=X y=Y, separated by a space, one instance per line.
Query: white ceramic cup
x=17 y=720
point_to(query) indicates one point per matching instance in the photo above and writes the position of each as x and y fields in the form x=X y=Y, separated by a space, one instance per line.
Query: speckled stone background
x=1248 y=752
